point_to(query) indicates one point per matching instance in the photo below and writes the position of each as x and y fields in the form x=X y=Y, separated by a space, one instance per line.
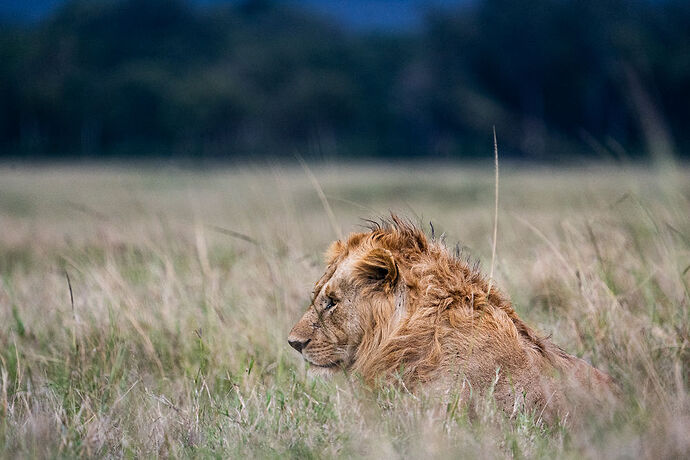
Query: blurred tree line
x=558 y=78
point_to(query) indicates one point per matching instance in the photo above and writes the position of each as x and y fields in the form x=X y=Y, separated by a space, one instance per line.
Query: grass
x=185 y=286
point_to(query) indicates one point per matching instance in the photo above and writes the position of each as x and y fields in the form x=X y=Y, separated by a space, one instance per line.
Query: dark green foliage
x=123 y=77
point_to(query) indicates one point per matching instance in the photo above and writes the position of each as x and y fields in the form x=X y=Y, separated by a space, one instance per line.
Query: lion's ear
x=334 y=251
x=379 y=264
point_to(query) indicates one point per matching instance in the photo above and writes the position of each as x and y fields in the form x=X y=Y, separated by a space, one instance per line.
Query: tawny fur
x=395 y=306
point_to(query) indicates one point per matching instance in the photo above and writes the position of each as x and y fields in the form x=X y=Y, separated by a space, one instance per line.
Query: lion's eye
x=330 y=303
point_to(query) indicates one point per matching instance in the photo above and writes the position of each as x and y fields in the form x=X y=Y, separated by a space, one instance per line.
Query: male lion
x=396 y=306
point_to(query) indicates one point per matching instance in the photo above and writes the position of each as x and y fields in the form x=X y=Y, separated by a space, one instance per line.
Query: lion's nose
x=298 y=344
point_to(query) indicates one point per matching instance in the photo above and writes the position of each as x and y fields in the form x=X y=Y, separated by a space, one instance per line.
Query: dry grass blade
x=234 y=234
x=322 y=197
x=75 y=344
x=495 y=237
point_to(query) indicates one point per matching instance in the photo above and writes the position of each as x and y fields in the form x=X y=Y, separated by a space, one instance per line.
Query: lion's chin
x=327 y=371
x=321 y=372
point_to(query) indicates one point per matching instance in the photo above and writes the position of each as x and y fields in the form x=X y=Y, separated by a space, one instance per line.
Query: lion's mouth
x=330 y=365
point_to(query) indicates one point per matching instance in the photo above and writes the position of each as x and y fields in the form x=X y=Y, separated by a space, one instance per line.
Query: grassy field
x=185 y=286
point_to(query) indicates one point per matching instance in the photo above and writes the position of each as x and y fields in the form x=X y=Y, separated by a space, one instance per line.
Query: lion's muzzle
x=298 y=344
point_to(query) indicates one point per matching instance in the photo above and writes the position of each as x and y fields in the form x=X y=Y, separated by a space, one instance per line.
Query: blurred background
x=201 y=80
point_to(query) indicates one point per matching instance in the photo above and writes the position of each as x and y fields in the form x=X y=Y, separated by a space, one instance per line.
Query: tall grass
x=185 y=286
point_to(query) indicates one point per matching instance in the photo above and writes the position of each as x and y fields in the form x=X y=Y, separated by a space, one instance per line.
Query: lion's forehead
x=333 y=276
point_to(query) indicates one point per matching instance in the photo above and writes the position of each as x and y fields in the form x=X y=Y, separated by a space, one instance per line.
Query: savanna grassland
x=146 y=312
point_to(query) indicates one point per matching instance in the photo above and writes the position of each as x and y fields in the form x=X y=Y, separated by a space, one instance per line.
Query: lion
x=396 y=306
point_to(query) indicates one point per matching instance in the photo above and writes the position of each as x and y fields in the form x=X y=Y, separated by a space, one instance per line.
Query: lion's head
x=392 y=300
x=356 y=295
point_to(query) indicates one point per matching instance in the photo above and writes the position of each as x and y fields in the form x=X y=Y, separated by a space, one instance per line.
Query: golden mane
x=442 y=288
